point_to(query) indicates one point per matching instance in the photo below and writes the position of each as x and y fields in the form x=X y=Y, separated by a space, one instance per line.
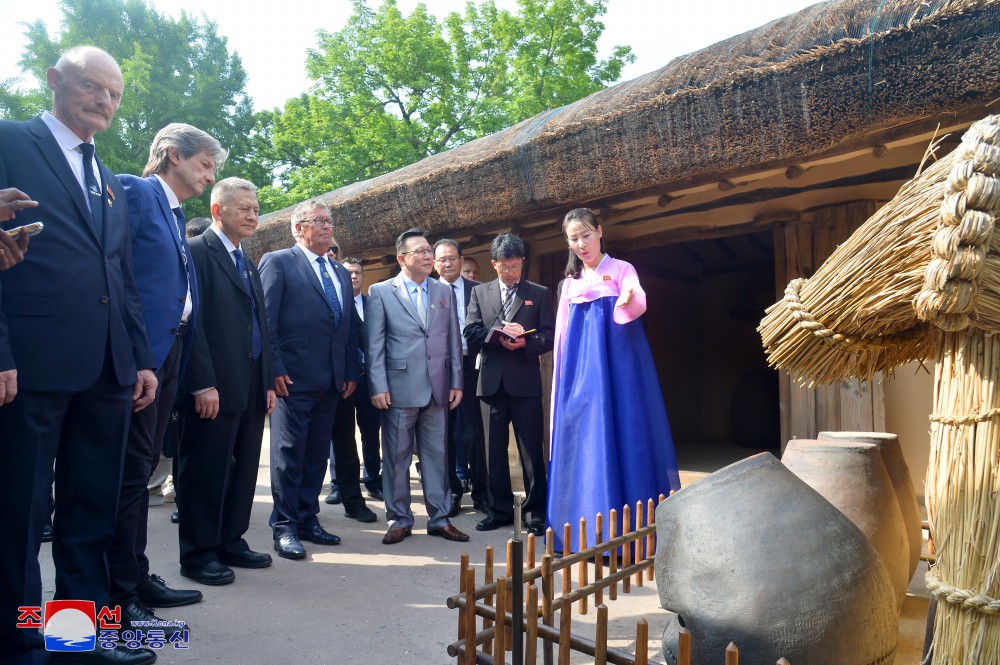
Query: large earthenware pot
x=902 y=483
x=753 y=555
x=852 y=476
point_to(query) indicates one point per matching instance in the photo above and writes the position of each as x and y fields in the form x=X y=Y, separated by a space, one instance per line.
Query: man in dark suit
x=510 y=384
x=72 y=343
x=357 y=412
x=466 y=445
x=316 y=362
x=183 y=161
x=227 y=393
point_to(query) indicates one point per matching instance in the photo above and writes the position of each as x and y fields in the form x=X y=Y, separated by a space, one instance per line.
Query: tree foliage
x=174 y=70
x=390 y=89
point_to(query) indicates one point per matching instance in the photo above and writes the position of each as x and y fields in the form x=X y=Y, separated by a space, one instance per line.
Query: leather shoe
x=492 y=523
x=154 y=592
x=333 y=497
x=289 y=547
x=362 y=514
x=246 y=559
x=175 y=516
x=448 y=532
x=136 y=616
x=120 y=655
x=212 y=574
x=536 y=528
x=456 y=504
x=376 y=494
x=47 y=531
x=395 y=534
x=316 y=534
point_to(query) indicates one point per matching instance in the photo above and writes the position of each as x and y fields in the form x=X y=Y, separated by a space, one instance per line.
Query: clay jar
x=852 y=476
x=902 y=483
x=753 y=555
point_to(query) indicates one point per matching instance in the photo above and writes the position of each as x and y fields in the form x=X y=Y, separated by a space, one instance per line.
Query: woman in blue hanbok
x=610 y=440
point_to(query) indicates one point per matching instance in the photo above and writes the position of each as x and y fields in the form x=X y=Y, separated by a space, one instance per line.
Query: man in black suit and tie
x=358 y=410
x=316 y=363
x=466 y=445
x=228 y=390
x=73 y=349
x=510 y=383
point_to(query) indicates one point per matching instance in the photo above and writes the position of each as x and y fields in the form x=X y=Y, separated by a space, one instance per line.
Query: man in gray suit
x=414 y=355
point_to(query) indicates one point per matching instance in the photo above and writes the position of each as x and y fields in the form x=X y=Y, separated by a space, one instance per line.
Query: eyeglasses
x=499 y=267
x=448 y=260
x=426 y=251
x=318 y=222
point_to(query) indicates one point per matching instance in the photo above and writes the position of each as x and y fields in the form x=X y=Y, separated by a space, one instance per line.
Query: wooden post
x=550 y=544
x=613 y=519
x=641 y=642
x=531 y=637
x=548 y=596
x=531 y=551
x=782 y=661
x=470 y=617
x=684 y=647
x=568 y=570
x=599 y=557
x=488 y=580
x=565 y=623
x=582 y=566
x=508 y=637
x=601 y=636
x=651 y=538
x=499 y=655
x=732 y=655
x=463 y=570
x=638 y=541
x=627 y=548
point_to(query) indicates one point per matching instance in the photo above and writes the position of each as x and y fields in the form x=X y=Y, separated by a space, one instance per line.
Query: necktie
x=331 y=292
x=93 y=189
x=241 y=267
x=421 y=310
x=458 y=313
x=178 y=225
x=509 y=300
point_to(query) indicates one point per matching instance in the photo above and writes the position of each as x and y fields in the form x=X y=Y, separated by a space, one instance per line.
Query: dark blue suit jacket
x=74 y=296
x=307 y=344
x=163 y=261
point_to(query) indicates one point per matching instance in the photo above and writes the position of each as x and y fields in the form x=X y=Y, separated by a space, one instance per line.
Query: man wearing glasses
x=510 y=381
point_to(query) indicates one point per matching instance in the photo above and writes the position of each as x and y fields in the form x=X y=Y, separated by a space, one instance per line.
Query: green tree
x=175 y=70
x=390 y=89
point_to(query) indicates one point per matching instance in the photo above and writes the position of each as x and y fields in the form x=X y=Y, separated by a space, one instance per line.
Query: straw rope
x=966 y=420
x=962 y=597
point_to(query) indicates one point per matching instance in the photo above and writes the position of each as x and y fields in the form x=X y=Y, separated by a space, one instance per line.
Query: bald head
x=86 y=86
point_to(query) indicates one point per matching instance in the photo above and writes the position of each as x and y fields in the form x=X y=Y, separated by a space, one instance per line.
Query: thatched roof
x=802 y=84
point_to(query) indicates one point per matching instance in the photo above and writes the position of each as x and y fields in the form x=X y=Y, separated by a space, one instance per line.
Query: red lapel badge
x=529 y=303
x=607 y=278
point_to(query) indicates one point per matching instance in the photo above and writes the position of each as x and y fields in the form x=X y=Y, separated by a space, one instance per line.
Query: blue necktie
x=331 y=292
x=241 y=267
x=93 y=189
x=178 y=225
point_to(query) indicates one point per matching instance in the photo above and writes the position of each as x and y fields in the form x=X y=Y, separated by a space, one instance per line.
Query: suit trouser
x=344 y=454
x=217 y=477
x=358 y=410
x=400 y=428
x=300 y=448
x=128 y=566
x=469 y=421
x=84 y=433
x=525 y=413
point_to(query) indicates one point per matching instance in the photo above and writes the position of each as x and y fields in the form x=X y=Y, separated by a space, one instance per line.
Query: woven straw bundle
x=927 y=260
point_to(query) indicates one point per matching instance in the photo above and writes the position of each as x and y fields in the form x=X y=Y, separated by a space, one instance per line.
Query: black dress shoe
x=47 y=532
x=120 y=655
x=362 y=514
x=212 y=574
x=536 y=528
x=316 y=534
x=492 y=523
x=456 y=504
x=376 y=494
x=246 y=559
x=155 y=593
x=289 y=547
x=136 y=616
x=333 y=497
x=175 y=516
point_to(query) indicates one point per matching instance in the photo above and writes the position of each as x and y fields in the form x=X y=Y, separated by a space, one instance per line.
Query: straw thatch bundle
x=870 y=306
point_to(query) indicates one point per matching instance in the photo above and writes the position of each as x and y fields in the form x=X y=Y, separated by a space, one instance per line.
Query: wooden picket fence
x=515 y=615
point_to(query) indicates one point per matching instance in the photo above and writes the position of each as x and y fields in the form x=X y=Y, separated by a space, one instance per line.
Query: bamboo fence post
x=732 y=655
x=499 y=655
x=567 y=576
x=550 y=537
x=601 y=636
x=488 y=580
x=548 y=595
x=627 y=548
x=663 y=498
x=531 y=551
x=782 y=661
x=599 y=557
x=651 y=537
x=638 y=541
x=683 y=646
x=531 y=638
x=582 y=566
x=508 y=636
x=565 y=623
x=463 y=570
x=641 y=642
x=613 y=523
x=470 y=617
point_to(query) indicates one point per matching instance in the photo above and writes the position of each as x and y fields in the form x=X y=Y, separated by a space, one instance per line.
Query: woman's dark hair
x=574 y=266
